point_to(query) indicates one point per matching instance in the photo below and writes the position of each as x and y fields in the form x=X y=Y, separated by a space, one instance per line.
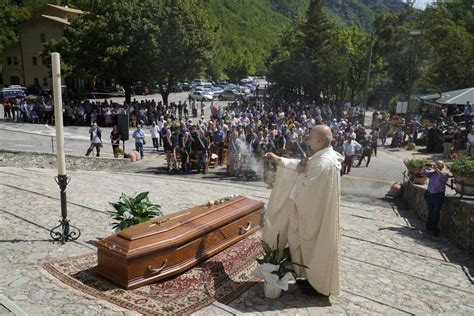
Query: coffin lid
x=172 y=221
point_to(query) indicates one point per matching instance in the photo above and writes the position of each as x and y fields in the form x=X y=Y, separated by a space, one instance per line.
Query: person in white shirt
x=470 y=143
x=155 y=133
x=160 y=124
x=350 y=148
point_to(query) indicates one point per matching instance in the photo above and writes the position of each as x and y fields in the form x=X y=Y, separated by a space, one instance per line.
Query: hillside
x=358 y=13
x=361 y=13
x=247 y=29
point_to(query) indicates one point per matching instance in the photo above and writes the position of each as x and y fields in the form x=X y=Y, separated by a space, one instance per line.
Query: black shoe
x=306 y=288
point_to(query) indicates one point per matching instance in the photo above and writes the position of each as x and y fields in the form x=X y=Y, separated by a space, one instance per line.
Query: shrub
x=132 y=210
x=463 y=166
x=414 y=163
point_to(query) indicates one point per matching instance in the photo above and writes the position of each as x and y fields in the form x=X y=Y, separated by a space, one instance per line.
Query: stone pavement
x=387 y=266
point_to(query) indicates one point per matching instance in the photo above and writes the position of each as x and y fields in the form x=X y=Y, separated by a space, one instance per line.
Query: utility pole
x=414 y=34
x=367 y=78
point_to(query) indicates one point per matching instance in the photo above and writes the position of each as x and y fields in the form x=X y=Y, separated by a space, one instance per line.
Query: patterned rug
x=222 y=278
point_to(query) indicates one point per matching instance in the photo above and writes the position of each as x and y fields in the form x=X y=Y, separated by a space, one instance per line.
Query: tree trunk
x=128 y=93
x=164 y=96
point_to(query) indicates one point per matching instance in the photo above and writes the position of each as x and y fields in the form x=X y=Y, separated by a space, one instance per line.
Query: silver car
x=201 y=96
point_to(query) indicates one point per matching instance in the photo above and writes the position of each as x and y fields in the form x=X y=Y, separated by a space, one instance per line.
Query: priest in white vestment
x=304 y=209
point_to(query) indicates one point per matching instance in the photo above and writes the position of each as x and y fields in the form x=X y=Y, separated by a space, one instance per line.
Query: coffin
x=168 y=245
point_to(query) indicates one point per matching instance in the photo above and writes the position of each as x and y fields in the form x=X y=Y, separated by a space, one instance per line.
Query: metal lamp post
x=414 y=34
x=63 y=232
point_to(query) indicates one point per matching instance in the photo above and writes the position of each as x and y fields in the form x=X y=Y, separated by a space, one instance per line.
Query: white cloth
x=350 y=148
x=304 y=210
x=154 y=131
x=470 y=138
x=95 y=137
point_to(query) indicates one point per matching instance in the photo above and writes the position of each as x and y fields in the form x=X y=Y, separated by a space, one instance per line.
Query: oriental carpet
x=223 y=278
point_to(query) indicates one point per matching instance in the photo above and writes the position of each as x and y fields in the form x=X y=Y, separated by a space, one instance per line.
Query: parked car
x=9 y=93
x=186 y=86
x=140 y=90
x=19 y=87
x=201 y=96
x=217 y=89
x=244 y=89
x=229 y=95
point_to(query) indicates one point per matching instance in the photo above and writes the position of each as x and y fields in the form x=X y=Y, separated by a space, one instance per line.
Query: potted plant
x=132 y=210
x=414 y=166
x=276 y=269
x=119 y=151
x=462 y=169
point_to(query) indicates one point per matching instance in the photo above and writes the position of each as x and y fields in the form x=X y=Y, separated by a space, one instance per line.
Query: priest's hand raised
x=272 y=157
x=300 y=168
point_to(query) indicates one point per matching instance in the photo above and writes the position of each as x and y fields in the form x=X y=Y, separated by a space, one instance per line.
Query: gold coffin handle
x=243 y=230
x=163 y=266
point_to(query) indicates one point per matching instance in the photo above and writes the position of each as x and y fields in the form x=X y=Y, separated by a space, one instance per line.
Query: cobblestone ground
x=387 y=266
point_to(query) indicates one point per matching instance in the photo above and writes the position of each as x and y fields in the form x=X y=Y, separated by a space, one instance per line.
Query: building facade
x=22 y=62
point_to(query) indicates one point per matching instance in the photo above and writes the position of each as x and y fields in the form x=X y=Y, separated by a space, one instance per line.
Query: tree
x=185 y=43
x=116 y=41
x=133 y=41
x=452 y=51
x=317 y=31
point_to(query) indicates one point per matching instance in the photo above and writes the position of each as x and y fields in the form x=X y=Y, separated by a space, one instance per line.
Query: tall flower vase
x=272 y=284
x=271 y=290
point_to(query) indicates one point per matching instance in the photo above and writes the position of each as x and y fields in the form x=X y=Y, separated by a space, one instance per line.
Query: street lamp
x=414 y=33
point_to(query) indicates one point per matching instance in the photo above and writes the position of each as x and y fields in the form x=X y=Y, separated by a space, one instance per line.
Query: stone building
x=22 y=62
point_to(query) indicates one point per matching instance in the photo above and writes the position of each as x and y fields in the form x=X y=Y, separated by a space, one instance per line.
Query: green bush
x=132 y=210
x=414 y=163
x=462 y=166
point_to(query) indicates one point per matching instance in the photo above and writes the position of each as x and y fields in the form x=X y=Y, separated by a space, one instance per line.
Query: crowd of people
x=239 y=134
x=236 y=135
x=86 y=112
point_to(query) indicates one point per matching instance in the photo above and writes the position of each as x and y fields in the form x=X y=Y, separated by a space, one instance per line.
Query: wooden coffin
x=168 y=245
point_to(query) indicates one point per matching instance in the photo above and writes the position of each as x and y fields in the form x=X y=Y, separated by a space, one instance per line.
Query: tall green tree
x=184 y=43
x=145 y=41
x=317 y=33
x=452 y=51
x=116 y=41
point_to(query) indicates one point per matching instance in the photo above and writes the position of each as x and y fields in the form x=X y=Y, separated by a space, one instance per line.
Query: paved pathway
x=387 y=266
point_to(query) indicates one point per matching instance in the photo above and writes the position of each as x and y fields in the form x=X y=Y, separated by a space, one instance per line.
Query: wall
x=12 y=69
x=457 y=216
x=30 y=35
x=24 y=159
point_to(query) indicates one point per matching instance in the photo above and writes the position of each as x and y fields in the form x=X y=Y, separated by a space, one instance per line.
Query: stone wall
x=457 y=215
x=27 y=159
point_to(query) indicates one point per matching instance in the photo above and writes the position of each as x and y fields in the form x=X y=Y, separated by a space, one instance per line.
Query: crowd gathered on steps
x=235 y=133
x=239 y=134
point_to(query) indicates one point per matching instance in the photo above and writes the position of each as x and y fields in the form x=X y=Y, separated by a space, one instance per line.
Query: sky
x=422 y=3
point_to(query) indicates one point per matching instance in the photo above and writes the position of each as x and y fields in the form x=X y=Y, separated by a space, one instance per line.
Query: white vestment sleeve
x=280 y=207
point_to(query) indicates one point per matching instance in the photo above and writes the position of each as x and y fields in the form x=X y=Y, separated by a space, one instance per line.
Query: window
x=43 y=61
x=37 y=82
x=43 y=37
x=15 y=60
x=34 y=61
x=45 y=81
x=9 y=60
